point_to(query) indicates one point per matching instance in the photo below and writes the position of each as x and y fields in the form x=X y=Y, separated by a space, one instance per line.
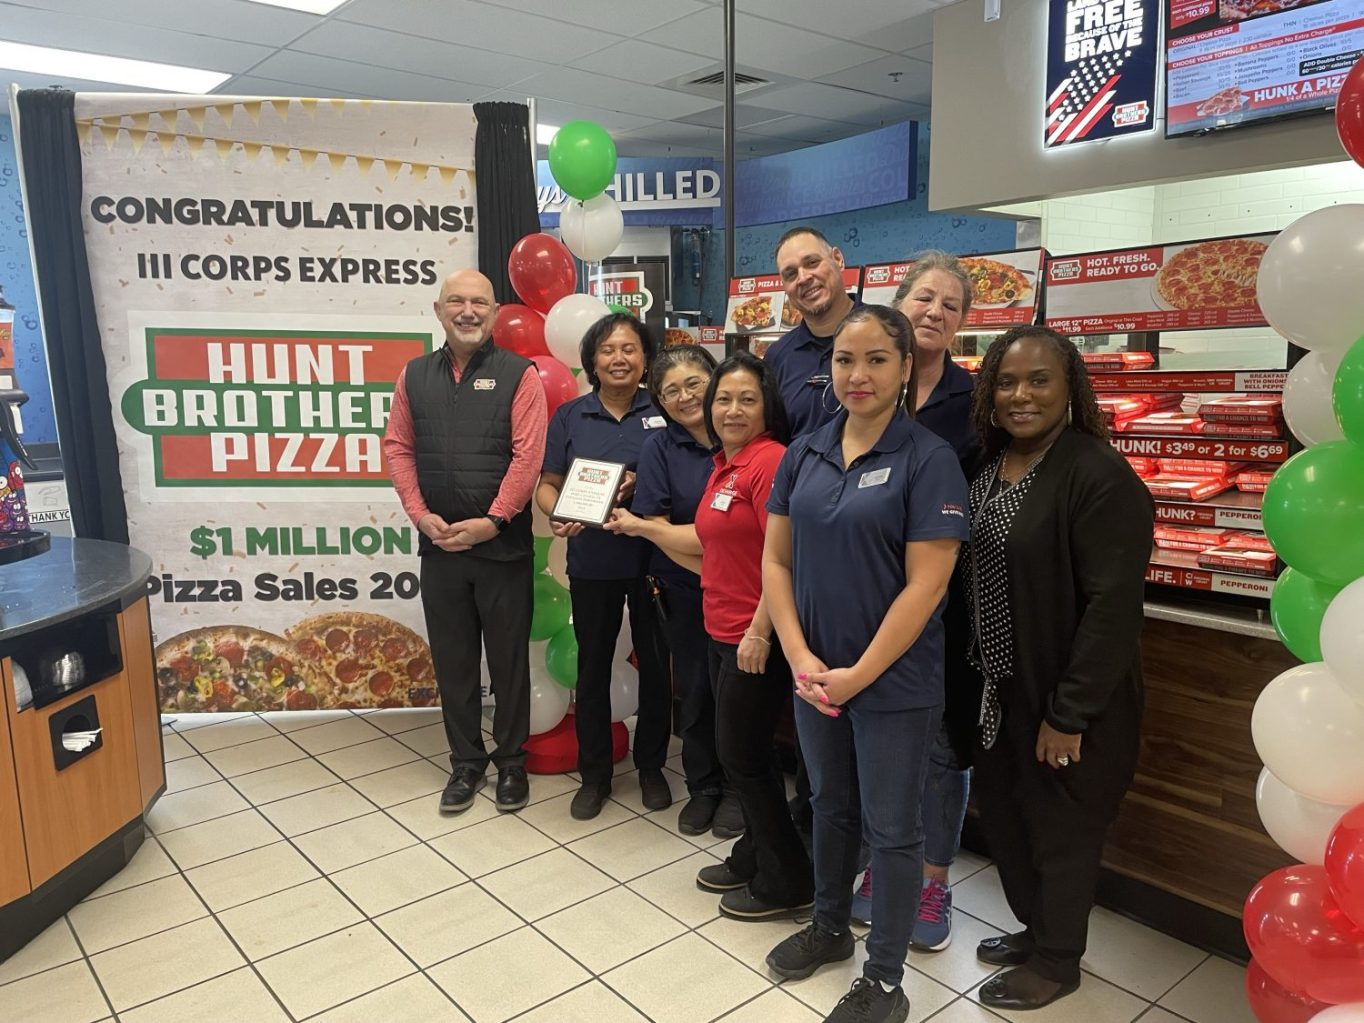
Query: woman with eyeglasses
x=674 y=465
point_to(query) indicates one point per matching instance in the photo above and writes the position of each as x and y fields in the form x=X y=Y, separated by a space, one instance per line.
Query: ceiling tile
x=250 y=85
x=573 y=86
x=762 y=44
x=630 y=19
x=327 y=74
x=214 y=19
x=745 y=115
x=862 y=21
x=805 y=129
x=678 y=132
x=895 y=77
x=556 y=111
x=638 y=61
x=905 y=35
x=835 y=104
x=365 y=44
x=500 y=29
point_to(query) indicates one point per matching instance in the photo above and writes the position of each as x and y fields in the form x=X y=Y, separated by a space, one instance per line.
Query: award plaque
x=588 y=494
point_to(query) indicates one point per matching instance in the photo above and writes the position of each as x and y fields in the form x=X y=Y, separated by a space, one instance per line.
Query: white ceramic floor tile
x=154 y=967
x=236 y=996
x=395 y=720
x=335 y=735
x=250 y=875
x=552 y=817
x=1213 y=993
x=195 y=806
x=428 y=741
x=632 y=849
x=423 y=818
x=1096 y=1001
x=447 y=924
x=593 y=1002
x=189 y=773
x=673 y=890
x=222 y=734
x=67 y=994
x=135 y=913
x=331 y=970
x=174 y=747
x=148 y=863
x=545 y=884
x=963 y=1010
x=255 y=756
x=966 y=864
x=749 y=941
x=957 y=965
x=413 y=998
x=400 y=784
x=1155 y=1014
x=288 y=721
x=685 y=980
x=367 y=758
x=54 y=947
x=289 y=918
x=188 y=722
x=489 y=992
x=397 y=879
x=774 y=1006
x=982 y=896
x=218 y=839
x=550 y=786
x=277 y=783
x=298 y=815
x=492 y=845
x=1137 y=958
x=354 y=841
x=610 y=929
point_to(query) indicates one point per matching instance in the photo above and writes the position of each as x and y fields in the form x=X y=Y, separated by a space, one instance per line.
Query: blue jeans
x=867 y=771
x=944 y=806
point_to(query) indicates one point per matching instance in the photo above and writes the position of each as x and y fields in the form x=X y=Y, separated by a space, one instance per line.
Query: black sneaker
x=718 y=879
x=696 y=816
x=653 y=788
x=729 y=818
x=588 y=802
x=742 y=904
x=513 y=789
x=807 y=950
x=868 y=1002
x=460 y=790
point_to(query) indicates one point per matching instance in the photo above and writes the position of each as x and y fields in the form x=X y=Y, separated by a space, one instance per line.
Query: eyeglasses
x=691 y=388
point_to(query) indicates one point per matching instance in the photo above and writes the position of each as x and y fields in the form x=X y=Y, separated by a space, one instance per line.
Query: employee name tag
x=654 y=422
x=484 y=384
x=874 y=478
x=720 y=502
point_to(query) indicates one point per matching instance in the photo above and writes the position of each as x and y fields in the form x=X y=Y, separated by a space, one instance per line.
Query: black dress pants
x=597 y=611
x=748 y=707
x=474 y=603
x=688 y=646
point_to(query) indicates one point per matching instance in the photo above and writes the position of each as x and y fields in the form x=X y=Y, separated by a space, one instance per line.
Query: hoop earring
x=903 y=400
x=824 y=404
x=1069 y=406
x=993 y=421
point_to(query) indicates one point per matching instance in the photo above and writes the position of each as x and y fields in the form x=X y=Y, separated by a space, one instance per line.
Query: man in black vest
x=465 y=439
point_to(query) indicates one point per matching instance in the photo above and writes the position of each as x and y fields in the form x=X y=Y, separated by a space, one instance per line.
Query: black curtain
x=507 y=208
x=80 y=388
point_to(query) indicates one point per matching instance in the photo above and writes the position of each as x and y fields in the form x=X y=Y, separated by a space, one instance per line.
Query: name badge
x=654 y=422
x=721 y=502
x=819 y=380
x=874 y=478
x=484 y=384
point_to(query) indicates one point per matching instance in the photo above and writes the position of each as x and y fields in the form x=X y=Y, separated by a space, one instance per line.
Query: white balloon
x=624 y=676
x=1310 y=734
x=591 y=230
x=1299 y=825
x=1308 y=285
x=1352 y=1013
x=568 y=321
x=1307 y=399
x=548 y=699
x=1342 y=639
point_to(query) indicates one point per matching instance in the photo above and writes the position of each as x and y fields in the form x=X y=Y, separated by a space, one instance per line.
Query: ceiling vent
x=710 y=82
x=716 y=80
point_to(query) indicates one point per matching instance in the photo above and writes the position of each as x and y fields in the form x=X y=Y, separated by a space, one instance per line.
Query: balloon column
x=1305 y=924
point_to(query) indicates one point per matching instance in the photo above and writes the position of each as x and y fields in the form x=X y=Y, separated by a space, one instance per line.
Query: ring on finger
x=1063 y=760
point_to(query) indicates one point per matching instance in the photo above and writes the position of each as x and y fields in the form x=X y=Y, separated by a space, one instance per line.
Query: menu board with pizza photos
x=1005 y=287
x=1200 y=285
x=759 y=305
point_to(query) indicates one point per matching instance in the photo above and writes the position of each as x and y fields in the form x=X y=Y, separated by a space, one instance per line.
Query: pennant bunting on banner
x=83 y=132
x=337 y=160
x=309 y=157
x=225 y=111
x=393 y=167
x=253 y=111
x=447 y=175
x=139 y=139
x=169 y=118
x=196 y=114
x=309 y=106
x=141 y=121
x=339 y=104
x=224 y=146
x=280 y=154
x=419 y=171
x=364 y=163
x=196 y=144
x=252 y=149
x=167 y=140
x=281 y=108
x=110 y=133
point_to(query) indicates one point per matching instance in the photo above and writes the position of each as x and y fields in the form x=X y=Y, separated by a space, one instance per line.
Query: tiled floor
x=297 y=869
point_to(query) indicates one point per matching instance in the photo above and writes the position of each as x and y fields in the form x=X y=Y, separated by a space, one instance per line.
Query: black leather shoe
x=1021 y=989
x=729 y=818
x=696 y=816
x=1005 y=950
x=654 y=789
x=461 y=789
x=588 y=802
x=800 y=955
x=742 y=904
x=513 y=789
x=718 y=879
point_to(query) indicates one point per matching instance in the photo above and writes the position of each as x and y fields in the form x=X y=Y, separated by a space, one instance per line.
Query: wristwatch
x=498 y=521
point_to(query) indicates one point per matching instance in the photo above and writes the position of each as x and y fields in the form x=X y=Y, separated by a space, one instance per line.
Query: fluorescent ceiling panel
x=96 y=67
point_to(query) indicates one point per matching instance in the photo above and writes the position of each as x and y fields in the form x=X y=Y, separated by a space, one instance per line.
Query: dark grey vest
x=462 y=433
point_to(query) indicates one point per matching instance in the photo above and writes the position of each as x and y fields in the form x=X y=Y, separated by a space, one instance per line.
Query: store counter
x=80 y=734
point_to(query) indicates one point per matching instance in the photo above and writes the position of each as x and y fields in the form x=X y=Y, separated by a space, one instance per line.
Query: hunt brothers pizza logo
x=623 y=289
x=285 y=408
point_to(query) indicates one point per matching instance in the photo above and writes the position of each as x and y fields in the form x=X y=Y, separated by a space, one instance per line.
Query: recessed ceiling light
x=96 y=67
x=307 y=6
x=544 y=133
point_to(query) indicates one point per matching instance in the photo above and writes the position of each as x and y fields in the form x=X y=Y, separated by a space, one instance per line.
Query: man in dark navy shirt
x=812 y=273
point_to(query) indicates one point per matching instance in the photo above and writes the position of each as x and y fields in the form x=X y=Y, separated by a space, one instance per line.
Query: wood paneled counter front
x=75 y=633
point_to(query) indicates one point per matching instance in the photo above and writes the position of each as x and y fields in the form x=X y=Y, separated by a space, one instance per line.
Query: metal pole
x=729 y=141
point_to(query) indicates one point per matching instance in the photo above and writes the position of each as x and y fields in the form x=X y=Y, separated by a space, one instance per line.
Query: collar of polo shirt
x=893 y=437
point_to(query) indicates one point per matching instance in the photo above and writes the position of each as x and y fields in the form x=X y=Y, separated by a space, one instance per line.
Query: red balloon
x=542 y=271
x=1345 y=865
x=1272 y=1002
x=1302 y=939
x=556 y=751
x=557 y=379
x=1350 y=113
x=520 y=329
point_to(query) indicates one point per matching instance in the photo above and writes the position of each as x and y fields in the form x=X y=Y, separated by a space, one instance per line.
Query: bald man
x=465 y=439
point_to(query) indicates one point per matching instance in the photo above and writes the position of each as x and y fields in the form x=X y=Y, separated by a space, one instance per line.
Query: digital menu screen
x=1236 y=62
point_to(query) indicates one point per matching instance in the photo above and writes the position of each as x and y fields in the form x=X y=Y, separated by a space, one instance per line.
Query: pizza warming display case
x=80 y=734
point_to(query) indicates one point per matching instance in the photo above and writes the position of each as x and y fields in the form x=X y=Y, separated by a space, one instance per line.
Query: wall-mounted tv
x=1230 y=63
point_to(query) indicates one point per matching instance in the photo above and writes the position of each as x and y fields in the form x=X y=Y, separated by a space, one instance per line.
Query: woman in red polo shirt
x=767 y=875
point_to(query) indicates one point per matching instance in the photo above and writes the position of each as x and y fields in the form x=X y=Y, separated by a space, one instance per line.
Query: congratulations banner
x=262 y=271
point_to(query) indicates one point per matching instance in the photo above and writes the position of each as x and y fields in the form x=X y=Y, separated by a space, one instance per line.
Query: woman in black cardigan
x=1061 y=532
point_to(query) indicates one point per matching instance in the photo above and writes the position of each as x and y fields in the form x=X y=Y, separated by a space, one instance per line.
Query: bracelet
x=764 y=642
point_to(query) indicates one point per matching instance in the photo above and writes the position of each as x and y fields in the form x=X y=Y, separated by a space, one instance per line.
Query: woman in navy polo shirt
x=867 y=514
x=674 y=466
x=767 y=874
x=606 y=572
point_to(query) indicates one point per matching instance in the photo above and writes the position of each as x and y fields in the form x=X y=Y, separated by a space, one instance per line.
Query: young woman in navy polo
x=867 y=514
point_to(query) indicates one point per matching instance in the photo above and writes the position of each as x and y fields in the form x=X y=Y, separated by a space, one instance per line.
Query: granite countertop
x=74 y=577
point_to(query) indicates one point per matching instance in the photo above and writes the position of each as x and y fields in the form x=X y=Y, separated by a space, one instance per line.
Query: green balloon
x=1347 y=393
x=551 y=609
x=1314 y=512
x=561 y=658
x=582 y=159
x=1296 y=608
x=542 y=544
x=621 y=309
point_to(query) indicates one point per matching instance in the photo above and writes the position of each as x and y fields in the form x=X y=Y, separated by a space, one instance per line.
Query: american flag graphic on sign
x=1084 y=98
x=1101 y=69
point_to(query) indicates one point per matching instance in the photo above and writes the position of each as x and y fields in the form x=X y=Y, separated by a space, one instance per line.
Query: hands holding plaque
x=589 y=494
